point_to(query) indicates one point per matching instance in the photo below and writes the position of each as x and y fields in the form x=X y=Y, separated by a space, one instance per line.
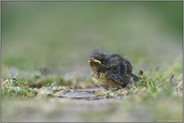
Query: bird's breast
x=102 y=80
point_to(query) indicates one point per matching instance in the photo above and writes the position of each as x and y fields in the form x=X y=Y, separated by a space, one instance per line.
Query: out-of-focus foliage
x=62 y=34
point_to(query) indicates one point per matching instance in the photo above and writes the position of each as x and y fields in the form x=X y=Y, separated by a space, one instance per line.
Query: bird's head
x=97 y=60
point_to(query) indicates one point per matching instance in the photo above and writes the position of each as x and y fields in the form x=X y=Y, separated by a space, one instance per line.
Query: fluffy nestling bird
x=111 y=70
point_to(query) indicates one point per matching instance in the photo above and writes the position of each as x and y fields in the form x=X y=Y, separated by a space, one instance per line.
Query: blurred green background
x=61 y=35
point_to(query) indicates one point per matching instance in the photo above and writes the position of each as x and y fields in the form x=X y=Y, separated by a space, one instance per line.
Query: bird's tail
x=134 y=77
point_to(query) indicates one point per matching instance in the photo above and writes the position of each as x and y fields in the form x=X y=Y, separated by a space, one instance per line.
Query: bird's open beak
x=94 y=60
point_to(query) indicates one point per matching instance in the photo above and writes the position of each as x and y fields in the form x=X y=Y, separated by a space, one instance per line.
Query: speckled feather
x=114 y=70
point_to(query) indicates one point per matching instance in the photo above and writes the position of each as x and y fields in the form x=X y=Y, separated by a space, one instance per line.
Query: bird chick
x=111 y=70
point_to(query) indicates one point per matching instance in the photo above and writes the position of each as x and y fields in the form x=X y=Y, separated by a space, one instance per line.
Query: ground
x=156 y=97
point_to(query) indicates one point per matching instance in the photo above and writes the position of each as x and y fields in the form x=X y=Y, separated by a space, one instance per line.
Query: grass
x=159 y=81
x=156 y=97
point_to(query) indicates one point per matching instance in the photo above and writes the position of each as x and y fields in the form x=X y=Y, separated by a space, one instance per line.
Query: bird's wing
x=119 y=63
x=126 y=66
x=123 y=79
x=113 y=60
x=119 y=69
x=117 y=74
x=134 y=77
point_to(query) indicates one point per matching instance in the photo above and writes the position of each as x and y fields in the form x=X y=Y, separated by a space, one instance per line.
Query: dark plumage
x=111 y=70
